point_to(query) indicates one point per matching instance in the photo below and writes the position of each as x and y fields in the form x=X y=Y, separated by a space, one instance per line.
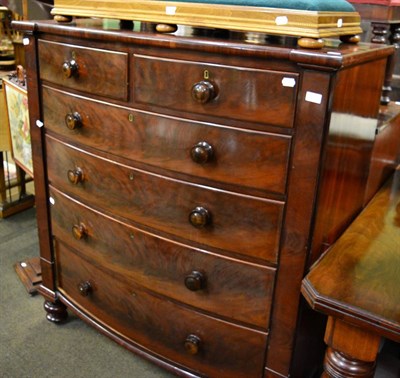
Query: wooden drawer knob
x=73 y=120
x=70 y=68
x=75 y=176
x=203 y=92
x=201 y=152
x=195 y=281
x=199 y=217
x=192 y=344
x=79 y=231
x=85 y=288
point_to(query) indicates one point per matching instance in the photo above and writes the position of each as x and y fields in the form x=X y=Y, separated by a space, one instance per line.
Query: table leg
x=381 y=33
x=351 y=351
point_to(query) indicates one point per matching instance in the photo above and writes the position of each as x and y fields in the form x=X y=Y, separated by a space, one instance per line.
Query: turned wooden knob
x=195 y=281
x=75 y=176
x=199 y=217
x=84 y=288
x=201 y=152
x=70 y=68
x=73 y=120
x=192 y=344
x=79 y=231
x=203 y=92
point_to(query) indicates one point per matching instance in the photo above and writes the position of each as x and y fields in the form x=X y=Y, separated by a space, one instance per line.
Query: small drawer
x=203 y=344
x=241 y=93
x=234 y=290
x=251 y=161
x=95 y=71
x=206 y=216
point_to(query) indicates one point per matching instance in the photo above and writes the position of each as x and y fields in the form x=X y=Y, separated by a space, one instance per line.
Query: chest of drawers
x=184 y=185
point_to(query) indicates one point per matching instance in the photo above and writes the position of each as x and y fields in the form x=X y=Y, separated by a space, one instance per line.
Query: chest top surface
x=334 y=55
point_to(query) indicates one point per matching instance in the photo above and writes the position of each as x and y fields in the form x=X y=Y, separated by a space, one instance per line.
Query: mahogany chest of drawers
x=185 y=184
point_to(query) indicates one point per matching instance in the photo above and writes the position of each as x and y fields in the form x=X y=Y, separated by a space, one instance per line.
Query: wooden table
x=357 y=284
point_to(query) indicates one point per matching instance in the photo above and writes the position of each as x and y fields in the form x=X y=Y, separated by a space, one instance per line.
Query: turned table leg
x=351 y=351
x=382 y=33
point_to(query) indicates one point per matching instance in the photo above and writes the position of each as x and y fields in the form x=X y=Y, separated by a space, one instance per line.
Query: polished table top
x=358 y=279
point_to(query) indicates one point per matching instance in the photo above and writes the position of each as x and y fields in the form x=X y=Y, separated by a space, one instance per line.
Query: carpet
x=33 y=347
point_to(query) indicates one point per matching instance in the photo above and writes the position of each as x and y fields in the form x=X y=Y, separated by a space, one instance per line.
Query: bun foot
x=350 y=39
x=56 y=311
x=61 y=18
x=311 y=43
x=166 y=28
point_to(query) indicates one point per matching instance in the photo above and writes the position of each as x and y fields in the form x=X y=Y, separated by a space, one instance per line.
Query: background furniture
x=357 y=284
x=386 y=152
x=381 y=24
x=13 y=190
x=13 y=195
x=185 y=184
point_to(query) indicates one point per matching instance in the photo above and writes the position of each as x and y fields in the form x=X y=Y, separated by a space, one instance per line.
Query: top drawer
x=95 y=71
x=242 y=93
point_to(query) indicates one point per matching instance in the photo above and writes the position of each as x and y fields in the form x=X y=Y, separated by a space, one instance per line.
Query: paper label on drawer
x=39 y=123
x=170 y=10
x=25 y=41
x=281 y=20
x=313 y=97
x=288 y=82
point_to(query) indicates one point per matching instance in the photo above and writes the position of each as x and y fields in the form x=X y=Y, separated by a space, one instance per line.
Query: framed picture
x=18 y=121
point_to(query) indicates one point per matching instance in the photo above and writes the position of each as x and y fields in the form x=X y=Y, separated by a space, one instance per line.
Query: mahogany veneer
x=357 y=284
x=179 y=183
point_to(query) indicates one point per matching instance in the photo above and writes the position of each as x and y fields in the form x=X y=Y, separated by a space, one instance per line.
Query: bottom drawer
x=202 y=344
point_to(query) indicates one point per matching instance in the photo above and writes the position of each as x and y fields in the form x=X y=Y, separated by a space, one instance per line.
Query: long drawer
x=203 y=344
x=243 y=158
x=223 y=220
x=95 y=71
x=230 y=288
x=242 y=93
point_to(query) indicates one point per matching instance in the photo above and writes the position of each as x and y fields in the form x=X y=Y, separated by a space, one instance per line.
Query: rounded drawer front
x=96 y=71
x=240 y=224
x=252 y=162
x=232 y=289
x=201 y=343
x=241 y=93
